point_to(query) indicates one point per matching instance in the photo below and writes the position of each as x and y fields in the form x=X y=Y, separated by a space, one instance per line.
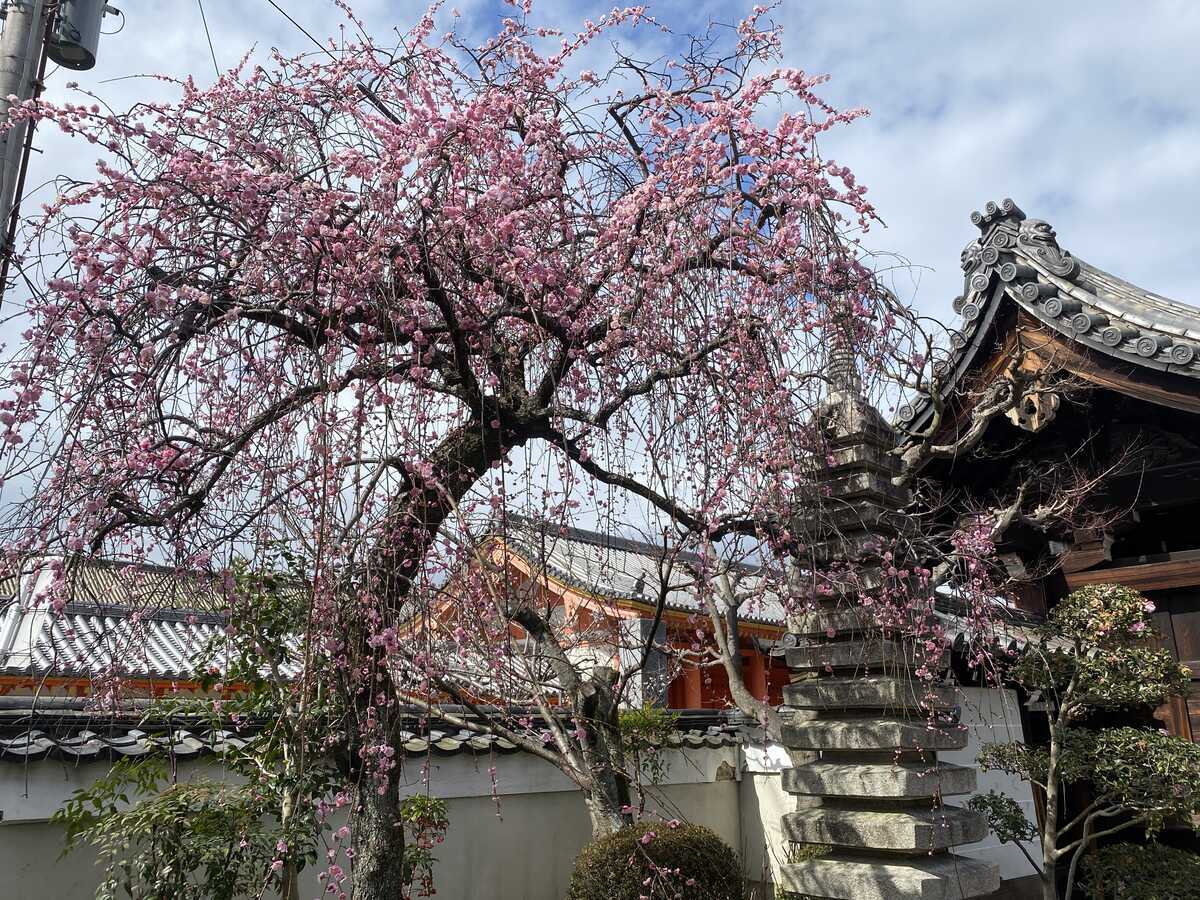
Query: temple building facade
x=1103 y=379
x=1066 y=406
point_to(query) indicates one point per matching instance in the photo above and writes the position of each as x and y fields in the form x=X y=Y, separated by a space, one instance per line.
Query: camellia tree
x=346 y=301
x=1095 y=653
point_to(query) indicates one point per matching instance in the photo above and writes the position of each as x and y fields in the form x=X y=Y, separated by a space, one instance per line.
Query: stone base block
x=879 y=692
x=870 y=733
x=900 y=830
x=917 y=780
x=878 y=654
x=942 y=877
x=816 y=624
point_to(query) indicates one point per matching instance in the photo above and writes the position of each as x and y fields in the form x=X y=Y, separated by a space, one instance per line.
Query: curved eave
x=1017 y=260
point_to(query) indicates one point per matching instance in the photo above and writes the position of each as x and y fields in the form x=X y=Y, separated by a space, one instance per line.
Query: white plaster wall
x=521 y=847
x=762 y=803
x=992 y=716
x=520 y=844
x=525 y=847
x=32 y=870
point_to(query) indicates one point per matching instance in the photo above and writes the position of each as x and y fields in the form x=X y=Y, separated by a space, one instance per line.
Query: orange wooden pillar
x=754 y=673
x=692 y=688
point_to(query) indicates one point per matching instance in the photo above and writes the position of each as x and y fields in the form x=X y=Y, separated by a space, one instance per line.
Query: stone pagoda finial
x=846 y=415
x=844 y=379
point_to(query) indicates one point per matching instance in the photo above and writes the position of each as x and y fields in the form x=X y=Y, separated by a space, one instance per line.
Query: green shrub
x=659 y=860
x=645 y=733
x=1006 y=819
x=1151 y=872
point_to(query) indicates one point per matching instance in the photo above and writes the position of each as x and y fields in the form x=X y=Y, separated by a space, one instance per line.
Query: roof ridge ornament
x=1004 y=211
x=1006 y=233
x=1018 y=259
x=1037 y=237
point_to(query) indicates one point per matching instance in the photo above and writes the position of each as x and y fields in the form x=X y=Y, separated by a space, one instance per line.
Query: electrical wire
x=283 y=12
x=204 y=20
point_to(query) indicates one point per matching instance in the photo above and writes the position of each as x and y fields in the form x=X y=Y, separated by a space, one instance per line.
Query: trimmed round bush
x=1150 y=872
x=659 y=860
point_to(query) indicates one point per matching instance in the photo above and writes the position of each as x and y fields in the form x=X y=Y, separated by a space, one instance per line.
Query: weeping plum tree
x=342 y=302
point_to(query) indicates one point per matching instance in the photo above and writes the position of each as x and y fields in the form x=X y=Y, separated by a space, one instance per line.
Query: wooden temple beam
x=1090 y=547
x=1155 y=576
x=1047 y=351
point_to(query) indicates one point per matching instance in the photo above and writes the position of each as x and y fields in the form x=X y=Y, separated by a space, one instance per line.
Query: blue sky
x=1085 y=112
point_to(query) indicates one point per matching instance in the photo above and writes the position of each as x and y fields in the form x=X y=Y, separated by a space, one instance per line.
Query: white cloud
x=1084 y=113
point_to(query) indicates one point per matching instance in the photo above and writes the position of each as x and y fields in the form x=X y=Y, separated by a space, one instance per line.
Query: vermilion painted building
x=605 y=590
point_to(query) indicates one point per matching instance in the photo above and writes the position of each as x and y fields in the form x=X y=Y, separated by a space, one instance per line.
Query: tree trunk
x=289 y=889
x=606 y=794
x=1050 y=837
x=417 y=513
x=378 y=837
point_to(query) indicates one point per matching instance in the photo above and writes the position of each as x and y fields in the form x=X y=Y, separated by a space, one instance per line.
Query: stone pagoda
x=874 y=818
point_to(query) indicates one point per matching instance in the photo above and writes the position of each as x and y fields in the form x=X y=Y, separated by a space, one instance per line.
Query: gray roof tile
x=84 y=744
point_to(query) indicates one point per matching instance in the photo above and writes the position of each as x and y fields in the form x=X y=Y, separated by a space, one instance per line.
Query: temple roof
x=85 y=745
x=123 y=628
x=1017 y=261
x=619 y=568
x=133 y=619
x=88 y=641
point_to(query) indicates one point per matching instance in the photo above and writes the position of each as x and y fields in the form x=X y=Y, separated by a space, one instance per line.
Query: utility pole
x=66 y=32
x=22 y=48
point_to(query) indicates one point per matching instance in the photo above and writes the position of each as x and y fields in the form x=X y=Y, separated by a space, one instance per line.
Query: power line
x=369 y=94
x=283 y=12
x=204 y=20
